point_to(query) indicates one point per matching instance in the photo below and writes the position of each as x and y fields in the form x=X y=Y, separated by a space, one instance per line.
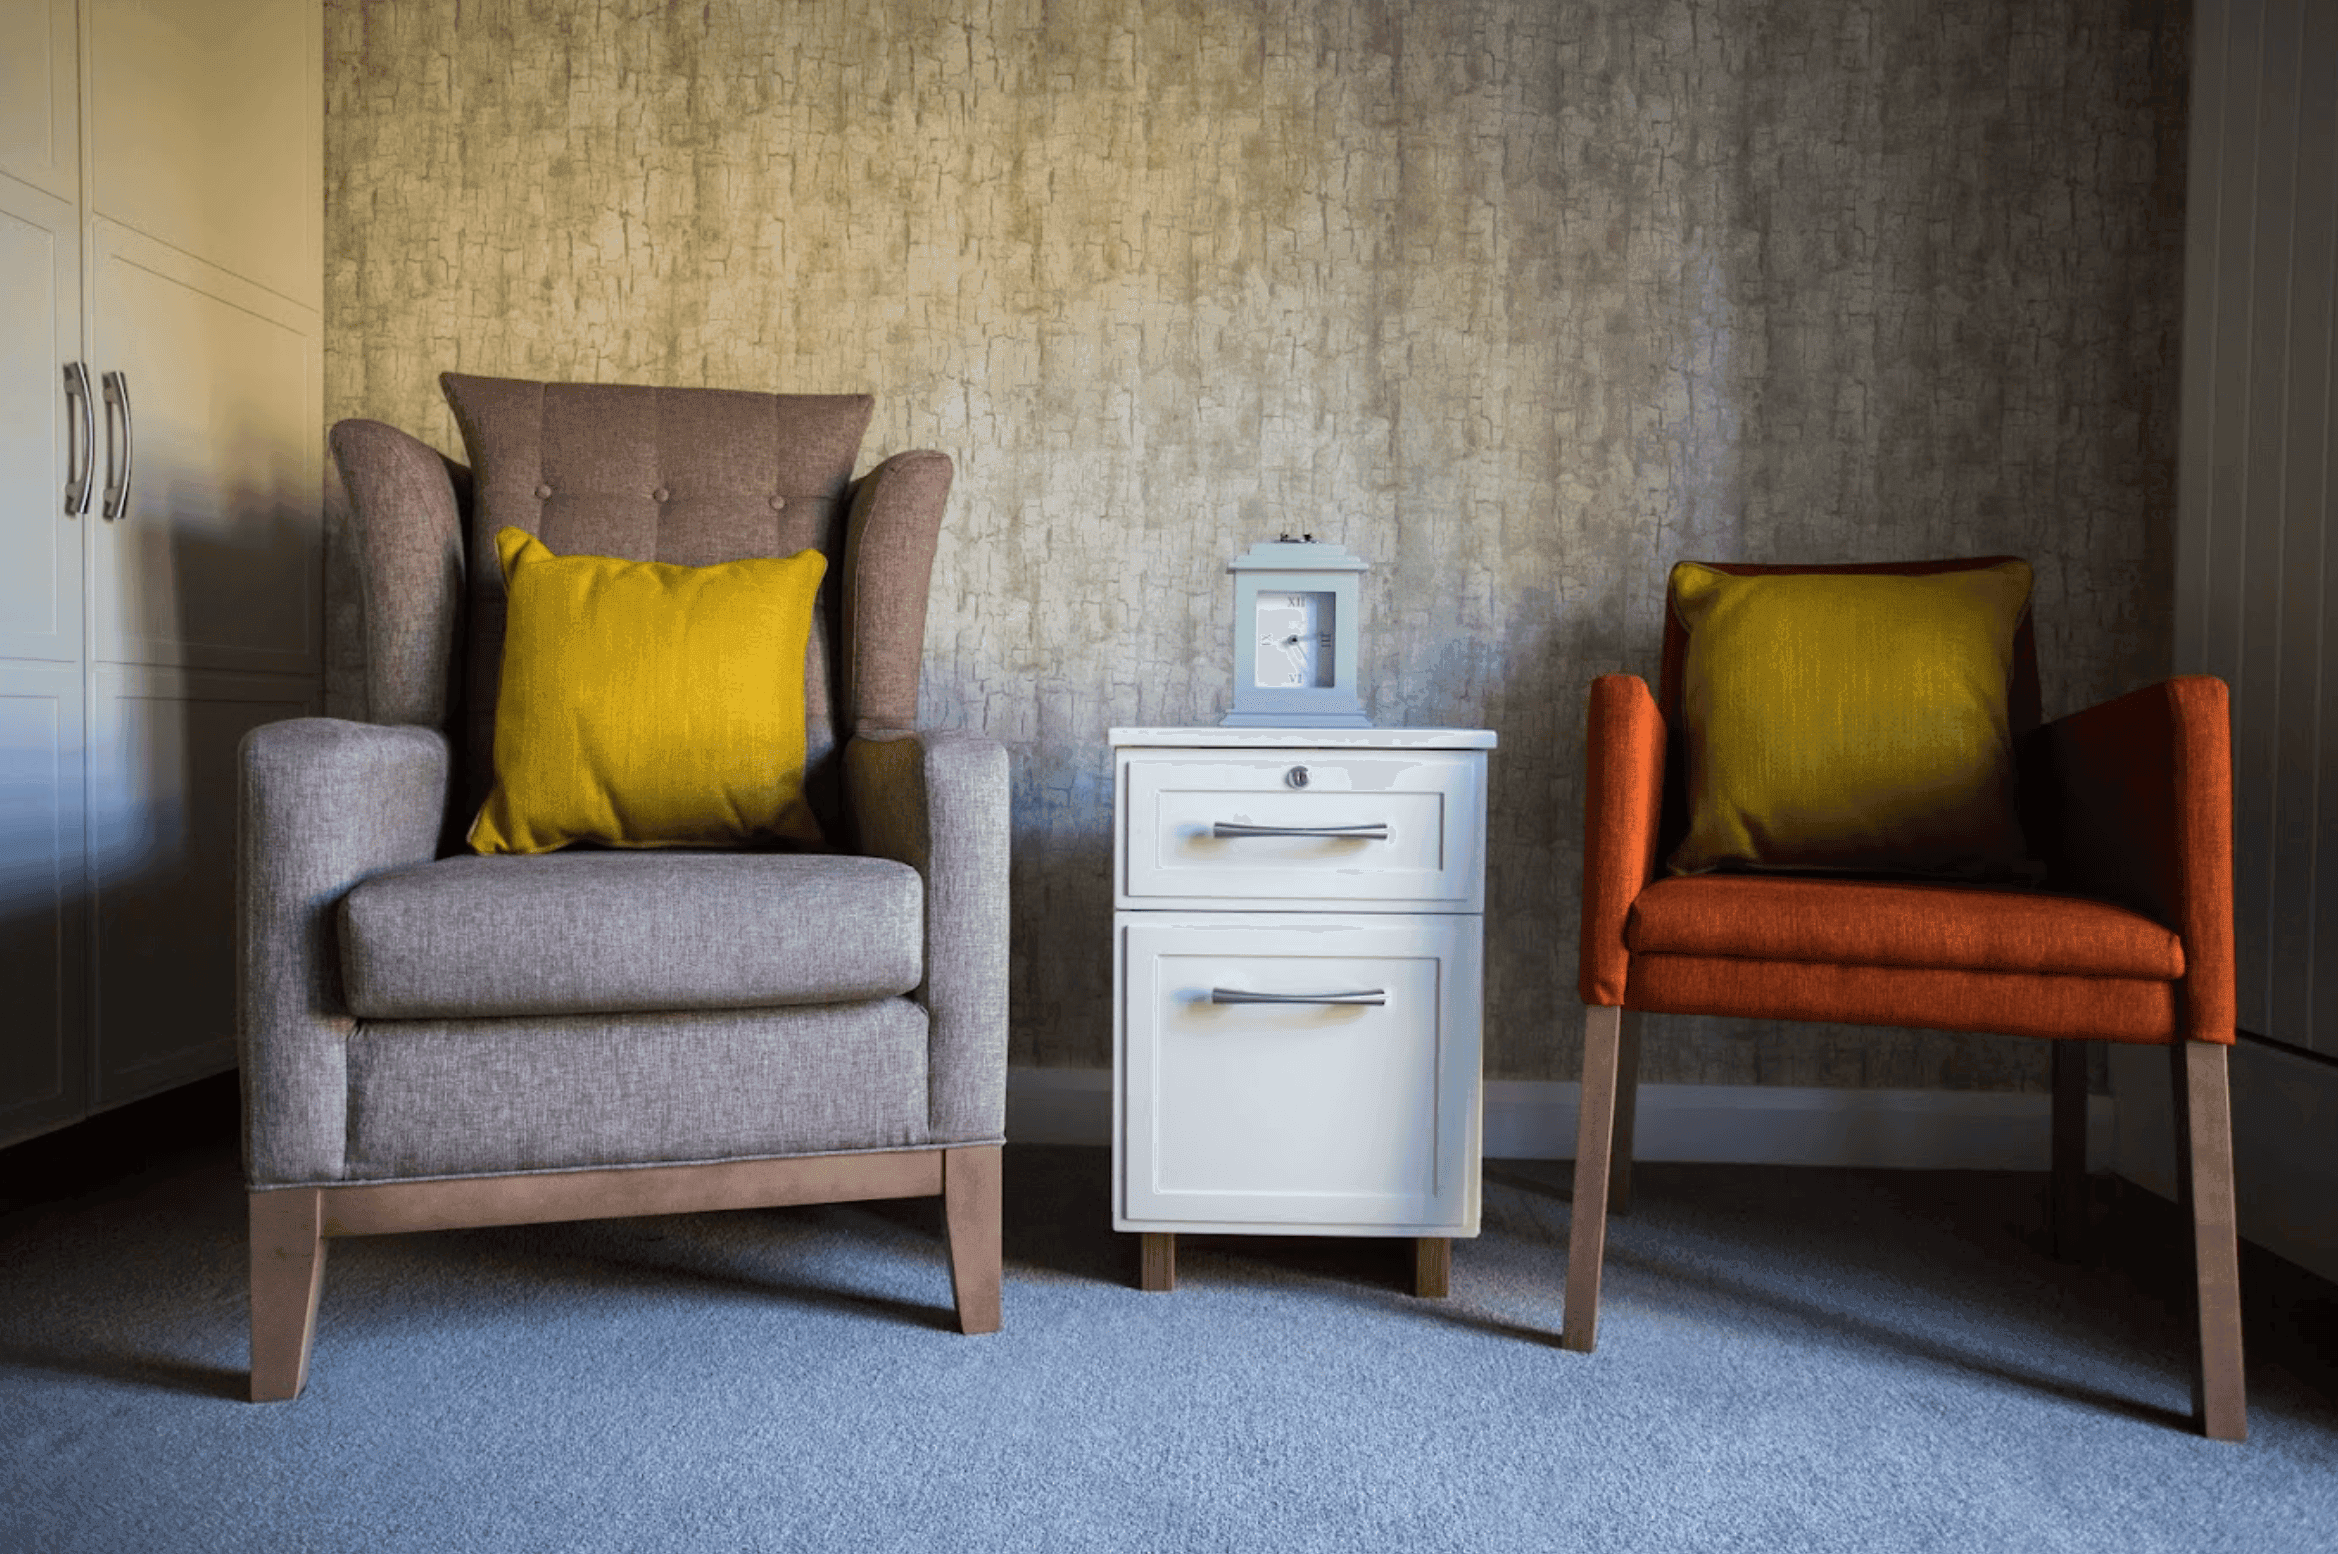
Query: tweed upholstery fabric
x=322 y=804
x=2128 y=803
x=407 y=500
x=463 y=1097
x=1623 y=795
x=1895 y=923
x=938 y=802
x=687 y=476
x=594 y=932
x=1850 y=722
x=2022 y=706
x=2134 y=799
x=888 y=574
x=2017 y=1004
x=923 y=914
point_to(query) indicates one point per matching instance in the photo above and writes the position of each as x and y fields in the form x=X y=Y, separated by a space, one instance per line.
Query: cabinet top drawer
x=1381 y=830
x=1216 y=738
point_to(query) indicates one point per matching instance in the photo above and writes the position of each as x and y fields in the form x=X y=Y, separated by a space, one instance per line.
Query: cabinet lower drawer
x=1298 y=1071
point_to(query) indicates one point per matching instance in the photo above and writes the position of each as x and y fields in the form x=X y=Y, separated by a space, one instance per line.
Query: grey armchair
x=433 y=1039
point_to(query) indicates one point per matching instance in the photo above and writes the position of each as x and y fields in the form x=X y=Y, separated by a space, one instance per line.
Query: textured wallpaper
x=1520 y=300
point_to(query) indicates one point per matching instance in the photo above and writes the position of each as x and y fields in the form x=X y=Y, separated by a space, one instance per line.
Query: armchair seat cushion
x=621 y=932
x=1921 y=927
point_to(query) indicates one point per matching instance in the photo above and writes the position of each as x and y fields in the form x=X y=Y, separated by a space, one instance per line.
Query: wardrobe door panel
x=162 y=850
x=43 y=1071
x=217 y=560
x=205 y=119
x=40 y=338
x=40 y=123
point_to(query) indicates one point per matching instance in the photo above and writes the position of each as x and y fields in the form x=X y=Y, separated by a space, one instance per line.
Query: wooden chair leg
x=288 y=1274
x=970 y=1209
x=2204 y=1187
x=1627 y=1112
x=1594 y=1138
x=2069 y=1163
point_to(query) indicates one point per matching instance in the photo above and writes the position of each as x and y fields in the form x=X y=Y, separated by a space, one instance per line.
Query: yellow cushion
x=1850 y=721
x=648 y=705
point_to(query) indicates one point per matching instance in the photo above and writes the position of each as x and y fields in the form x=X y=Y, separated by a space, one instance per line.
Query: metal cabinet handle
x=117 y=385
x=80 y=440
x=1376 y=831
x=1232 y=995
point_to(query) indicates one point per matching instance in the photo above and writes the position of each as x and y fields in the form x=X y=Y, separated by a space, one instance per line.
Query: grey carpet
x=1789 y=1360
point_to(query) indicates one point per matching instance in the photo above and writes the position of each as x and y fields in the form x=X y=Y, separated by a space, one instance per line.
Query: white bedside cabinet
x=1298 y=919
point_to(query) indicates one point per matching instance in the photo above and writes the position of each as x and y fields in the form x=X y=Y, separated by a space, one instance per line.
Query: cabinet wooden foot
x=1432 y=1266
x=1159 y=1271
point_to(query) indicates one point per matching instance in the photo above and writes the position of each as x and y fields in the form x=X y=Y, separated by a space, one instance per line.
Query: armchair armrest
x=322 y=803
x=938 y=802
x=1623 y=798
x=2131 y=800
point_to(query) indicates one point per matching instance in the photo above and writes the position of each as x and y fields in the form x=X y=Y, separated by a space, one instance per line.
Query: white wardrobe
x=161 y=406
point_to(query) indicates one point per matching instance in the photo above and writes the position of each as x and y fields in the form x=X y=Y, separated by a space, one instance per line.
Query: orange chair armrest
x=2131 y=801
x=1623 y=798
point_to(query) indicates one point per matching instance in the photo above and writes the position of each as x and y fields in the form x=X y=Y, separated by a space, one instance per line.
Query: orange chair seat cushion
x=1884 y=923
x=2130 y=1009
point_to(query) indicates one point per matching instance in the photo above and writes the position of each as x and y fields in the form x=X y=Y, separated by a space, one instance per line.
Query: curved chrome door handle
x=1376 y=831
x=80 y=440
x=1231 y=995
x=117 y=385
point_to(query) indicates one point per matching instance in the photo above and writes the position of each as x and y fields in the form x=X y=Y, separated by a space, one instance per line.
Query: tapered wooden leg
x=2069 y=1183
x=970 y=1208
x=1157 y=1261
x=1594 y=1137
x=1432 y=1267
x=2204 y=1186
x=288 y=1273
x=1627 y=1112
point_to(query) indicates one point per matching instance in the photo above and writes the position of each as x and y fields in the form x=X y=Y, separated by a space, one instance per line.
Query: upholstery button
x=778 y=502
x=542 y=492
x=660 y=494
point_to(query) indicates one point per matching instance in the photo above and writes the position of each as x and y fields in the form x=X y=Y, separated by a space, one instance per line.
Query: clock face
x=1294 y=640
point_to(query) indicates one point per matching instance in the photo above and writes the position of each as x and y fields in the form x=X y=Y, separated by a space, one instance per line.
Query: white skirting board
x=1937 y=1130
x=2284 y=1144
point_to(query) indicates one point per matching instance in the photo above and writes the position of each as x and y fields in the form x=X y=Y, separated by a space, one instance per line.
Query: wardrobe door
x=204 y=197
x=43 y=1062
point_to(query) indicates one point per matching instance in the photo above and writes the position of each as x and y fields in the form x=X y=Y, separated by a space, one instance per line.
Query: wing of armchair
x=436 y=1039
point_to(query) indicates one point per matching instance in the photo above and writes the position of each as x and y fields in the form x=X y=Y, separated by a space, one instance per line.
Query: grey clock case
x=1296 y=567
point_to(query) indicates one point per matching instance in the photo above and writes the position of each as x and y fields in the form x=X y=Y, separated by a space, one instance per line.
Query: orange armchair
x=2129 y=805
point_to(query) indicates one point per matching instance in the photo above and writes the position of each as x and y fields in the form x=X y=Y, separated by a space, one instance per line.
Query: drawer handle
x=1235 y=995
x=1376 y=831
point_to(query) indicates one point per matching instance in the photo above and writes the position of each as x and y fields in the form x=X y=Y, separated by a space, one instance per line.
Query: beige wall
x=1519 y=299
